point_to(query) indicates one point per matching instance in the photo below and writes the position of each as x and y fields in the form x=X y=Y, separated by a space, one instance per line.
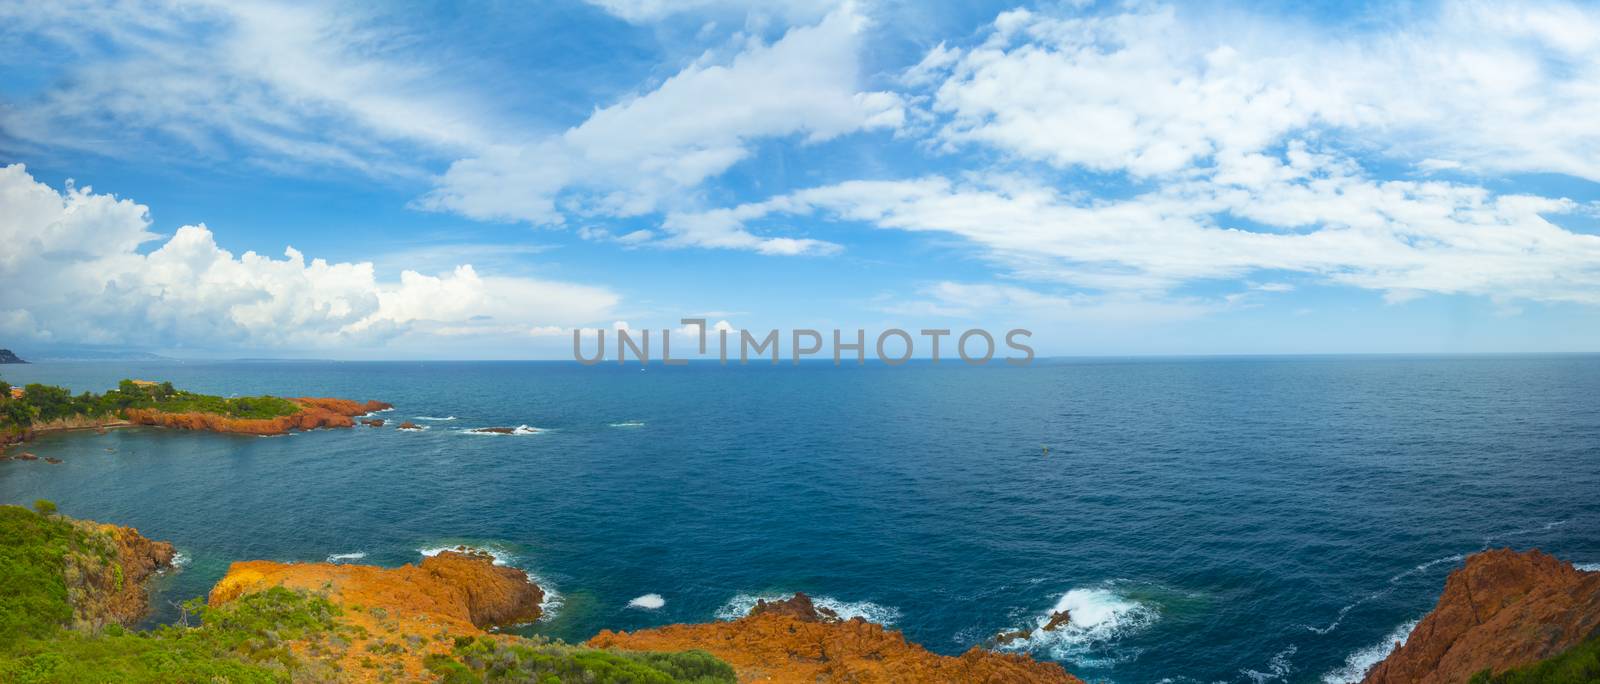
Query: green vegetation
x=1577 y=665
x=535 y=661
x=47 y=403
x=244 y=641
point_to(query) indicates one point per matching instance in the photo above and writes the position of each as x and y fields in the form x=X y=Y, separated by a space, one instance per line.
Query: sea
x=1219 y=519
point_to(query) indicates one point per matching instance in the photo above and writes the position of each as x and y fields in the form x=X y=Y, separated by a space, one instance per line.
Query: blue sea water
x=1222 y=519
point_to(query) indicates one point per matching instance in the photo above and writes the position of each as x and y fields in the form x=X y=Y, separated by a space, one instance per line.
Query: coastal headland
x=34 y=409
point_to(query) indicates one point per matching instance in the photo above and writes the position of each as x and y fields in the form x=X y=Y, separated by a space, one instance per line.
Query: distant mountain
x=7 y=357
x=90 y=353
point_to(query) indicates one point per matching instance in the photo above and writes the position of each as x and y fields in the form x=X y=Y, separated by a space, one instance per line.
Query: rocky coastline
x=436 y=620
x=314 y=413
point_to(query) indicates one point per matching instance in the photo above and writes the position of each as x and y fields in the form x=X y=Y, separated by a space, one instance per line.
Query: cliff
x=315 y=412
x=1501 y=610
x=406 y=613
x=794 y=641
x=106 y=584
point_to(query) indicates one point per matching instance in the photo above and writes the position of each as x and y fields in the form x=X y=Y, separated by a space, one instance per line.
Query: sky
x=478 y=180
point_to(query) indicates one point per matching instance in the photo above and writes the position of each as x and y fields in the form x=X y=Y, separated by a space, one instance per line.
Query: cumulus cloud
x=74 y=271
x=643 y=11
x=631 y=157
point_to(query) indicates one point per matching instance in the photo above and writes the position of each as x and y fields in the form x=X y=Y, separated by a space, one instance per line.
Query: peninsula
x=35 y=408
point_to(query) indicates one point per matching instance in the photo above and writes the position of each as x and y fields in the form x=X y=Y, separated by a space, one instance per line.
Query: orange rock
x=455 y=593
x=1501 y=610
x=314 y=413
x=793 y=641
x=126 y=601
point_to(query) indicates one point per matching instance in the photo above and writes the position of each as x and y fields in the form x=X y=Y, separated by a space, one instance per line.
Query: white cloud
x=644 y=11
x=630 y=158
x=295 y=85
x=1504 y=86
x=74 y=272
x=1312 y=213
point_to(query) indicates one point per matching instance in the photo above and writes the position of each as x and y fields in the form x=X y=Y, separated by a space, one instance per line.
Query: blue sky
x=478 y=180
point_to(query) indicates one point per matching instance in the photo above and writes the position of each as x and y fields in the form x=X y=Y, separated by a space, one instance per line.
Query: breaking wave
x=740 y=605
x=1098 y=618
x=344 y=557
x=1355 y=667
x=648 y=602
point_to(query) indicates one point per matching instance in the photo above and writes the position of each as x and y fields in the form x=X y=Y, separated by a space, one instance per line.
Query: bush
x=1577 y=665
x=487 y=660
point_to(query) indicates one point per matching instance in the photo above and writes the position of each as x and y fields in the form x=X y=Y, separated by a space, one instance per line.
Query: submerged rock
x=408 y=425
x=49 y=459
x=1501 y=610
x=26 y=456
x=495 y=430
x=373 y=422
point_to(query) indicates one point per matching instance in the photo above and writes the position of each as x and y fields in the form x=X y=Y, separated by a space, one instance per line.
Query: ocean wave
x=1355 y=667
x=179 y=560
x=740 y=605
x=433 y=418
x=370 y=414
x=1278 y=668
x=413 y=428
x=629 y=424
x=516 y=431
x=1393 y=582
x=1099 y=617
x=1587 y=567
x=342 y=557
x=648 y=602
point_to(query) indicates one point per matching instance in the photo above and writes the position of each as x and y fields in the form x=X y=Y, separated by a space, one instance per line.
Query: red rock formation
x=455 y=593
x=1501 y=610
x=314 y=413
x=793 y=641
x=106 y=586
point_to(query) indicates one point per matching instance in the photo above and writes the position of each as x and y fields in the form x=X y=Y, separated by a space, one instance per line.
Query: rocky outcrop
x=106 y=581
x=373 y=422
x=7 y=357
x=463 y=589
x=795 y=641
x=408 y=612
x=1501 y=610
x=315 y=412
x=408 y=425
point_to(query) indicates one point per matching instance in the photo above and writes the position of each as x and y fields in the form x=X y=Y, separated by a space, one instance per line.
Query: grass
x=33 y=588
x=481 y=659
x=1577 y=665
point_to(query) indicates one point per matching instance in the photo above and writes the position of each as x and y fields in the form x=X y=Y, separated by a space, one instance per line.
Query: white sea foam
x=648 y=602
x=1098 y=617
x=516 y=431
x=629 y=424
x=501 y=556
x=435 y=418
x=414 y=428
x=342 y=557
x=740 y=605
x=1278 y=668
x=370 y=414
x=179 y=559
x=1355 y=667
x=1587 y=567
